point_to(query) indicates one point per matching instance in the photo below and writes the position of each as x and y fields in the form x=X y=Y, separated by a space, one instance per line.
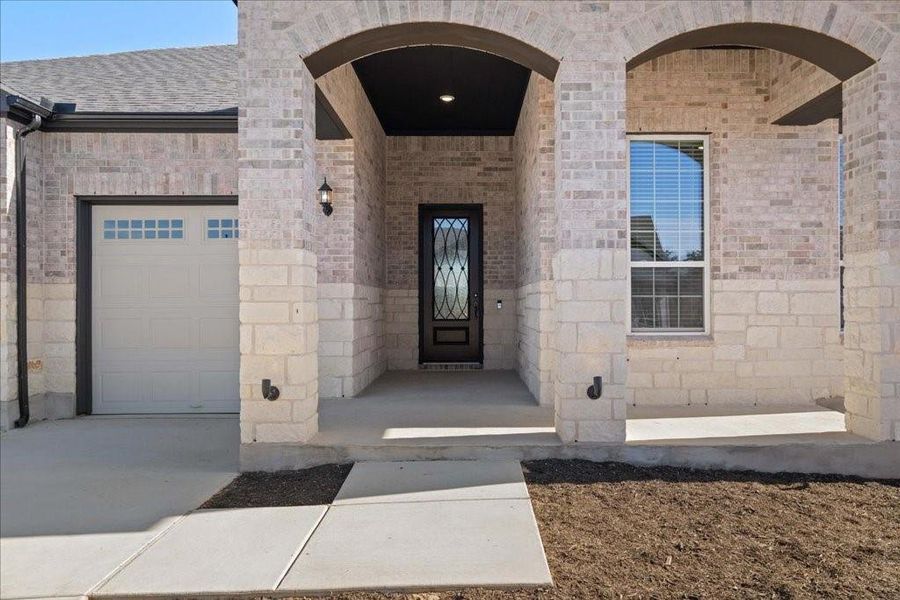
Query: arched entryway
x=586 y=49
x=850 y=64
x=404 y=35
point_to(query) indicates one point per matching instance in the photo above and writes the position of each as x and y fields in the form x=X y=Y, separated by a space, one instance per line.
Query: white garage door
x=165 y=309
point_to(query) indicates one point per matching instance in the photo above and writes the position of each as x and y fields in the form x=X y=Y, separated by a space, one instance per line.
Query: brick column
x=590 y=265
x=872 y=250
x=278 y=312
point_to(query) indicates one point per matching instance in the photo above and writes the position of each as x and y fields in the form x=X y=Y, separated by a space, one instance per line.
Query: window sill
x=668 y=340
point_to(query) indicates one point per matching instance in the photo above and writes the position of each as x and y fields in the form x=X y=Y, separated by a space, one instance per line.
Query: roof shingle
x=200 y=79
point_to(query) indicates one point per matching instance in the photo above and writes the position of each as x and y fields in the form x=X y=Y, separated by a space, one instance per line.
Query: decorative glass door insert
x=450 y=281
x=451 y=268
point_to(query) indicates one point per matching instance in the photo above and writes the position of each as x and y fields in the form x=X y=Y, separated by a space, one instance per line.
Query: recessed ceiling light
x=447 y=98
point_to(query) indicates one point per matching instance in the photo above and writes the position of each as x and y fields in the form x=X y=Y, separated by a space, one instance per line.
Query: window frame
x=704 y=138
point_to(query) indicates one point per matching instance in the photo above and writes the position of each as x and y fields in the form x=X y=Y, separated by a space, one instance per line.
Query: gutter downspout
x=22 y=273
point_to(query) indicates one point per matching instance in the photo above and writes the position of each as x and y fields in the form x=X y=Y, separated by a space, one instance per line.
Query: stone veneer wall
x=8 y=393
x=535 y=237
x=773 y=238
x=450 y=170
x=277 y=207
x=50 y=306
x=351 y=243
x=872 y=250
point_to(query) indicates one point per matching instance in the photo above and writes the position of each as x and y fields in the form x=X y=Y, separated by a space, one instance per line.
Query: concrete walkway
x=421 y=525
x=79 y=497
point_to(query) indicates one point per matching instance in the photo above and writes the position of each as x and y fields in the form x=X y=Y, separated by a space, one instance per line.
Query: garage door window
x=143 y=229
x=221 y=229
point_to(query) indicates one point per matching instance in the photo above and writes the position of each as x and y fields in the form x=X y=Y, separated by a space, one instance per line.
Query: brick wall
x=773 y=238
x=62 y=165
x=749 y=251
x=8 y=394
x=349 y=100
x=351 y=243
x=450 y=170
x=336 y=235
x=535 y=237
x=793 y=82
x=872 y=250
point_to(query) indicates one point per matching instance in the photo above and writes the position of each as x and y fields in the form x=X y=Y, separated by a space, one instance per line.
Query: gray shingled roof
x=172 y=80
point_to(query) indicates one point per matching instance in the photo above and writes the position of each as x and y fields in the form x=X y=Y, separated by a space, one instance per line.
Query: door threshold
x=451 y=366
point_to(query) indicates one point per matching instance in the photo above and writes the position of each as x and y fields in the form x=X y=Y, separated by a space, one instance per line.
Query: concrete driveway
x=79 y=497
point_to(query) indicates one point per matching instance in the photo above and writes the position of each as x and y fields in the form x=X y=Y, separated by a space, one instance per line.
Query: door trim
x=84 y=367
x=421 y=306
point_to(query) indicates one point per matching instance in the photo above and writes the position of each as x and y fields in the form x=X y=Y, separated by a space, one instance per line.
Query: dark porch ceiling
x=404 y=86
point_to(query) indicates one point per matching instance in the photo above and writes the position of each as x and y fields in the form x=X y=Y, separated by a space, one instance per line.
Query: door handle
x=476 y=305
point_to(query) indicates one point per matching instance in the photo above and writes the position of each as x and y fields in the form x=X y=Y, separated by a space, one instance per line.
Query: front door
x=450 y=283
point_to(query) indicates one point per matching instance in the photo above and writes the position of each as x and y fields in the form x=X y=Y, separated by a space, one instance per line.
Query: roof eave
x=218 y=122
x=21 y=109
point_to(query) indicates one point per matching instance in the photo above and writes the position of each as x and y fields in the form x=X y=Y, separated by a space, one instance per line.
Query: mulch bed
x=616 y=531
x=318 y=485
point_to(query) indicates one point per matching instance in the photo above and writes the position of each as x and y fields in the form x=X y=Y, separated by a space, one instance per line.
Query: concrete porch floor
x=445 y=408
x=449 y=415
x=494 y=408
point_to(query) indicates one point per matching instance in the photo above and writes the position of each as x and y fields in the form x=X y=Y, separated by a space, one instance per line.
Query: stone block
x=252 y=275
x=264 y=312
x=612 y=431
x=762 y=337
x=279 y=339
x=814 y=304
x=283 y=433
x=256 y=368
x=302 y=369
x=773 y=303
x=734 y=303
x=802 y=337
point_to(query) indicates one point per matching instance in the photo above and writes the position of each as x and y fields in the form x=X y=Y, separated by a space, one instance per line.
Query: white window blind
x=668 y=234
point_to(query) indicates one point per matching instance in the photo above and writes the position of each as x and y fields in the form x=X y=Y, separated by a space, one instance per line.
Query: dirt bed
x=616 y=531
x=318 y=485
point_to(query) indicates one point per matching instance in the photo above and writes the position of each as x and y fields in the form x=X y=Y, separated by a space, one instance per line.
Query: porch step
x=451 y=366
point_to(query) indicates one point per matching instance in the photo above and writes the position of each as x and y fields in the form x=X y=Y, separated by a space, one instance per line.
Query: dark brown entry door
x=450 y=283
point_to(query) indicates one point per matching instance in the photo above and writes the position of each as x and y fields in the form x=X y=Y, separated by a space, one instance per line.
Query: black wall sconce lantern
x=325 y=197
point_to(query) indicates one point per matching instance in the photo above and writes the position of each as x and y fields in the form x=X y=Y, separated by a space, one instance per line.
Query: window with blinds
x=668 y=209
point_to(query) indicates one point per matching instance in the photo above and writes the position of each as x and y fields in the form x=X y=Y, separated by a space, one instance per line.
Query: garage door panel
x=121 y=334
x=118 y=388
x=171 y=333
x=171 y=386
x=165 y=304
x=216 y=386
x=218 y=334
x=114 y=282
x=173 y=281
x=217 y=281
